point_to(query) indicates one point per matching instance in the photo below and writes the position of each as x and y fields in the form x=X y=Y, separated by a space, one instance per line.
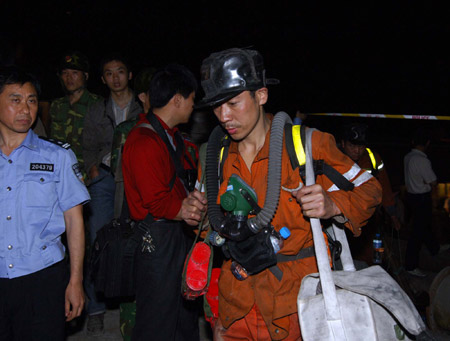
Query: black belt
x=303 y=253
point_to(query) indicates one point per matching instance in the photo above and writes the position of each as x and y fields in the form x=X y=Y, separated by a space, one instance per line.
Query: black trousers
x=420 y=208
x=161 y=311
x=32 y=306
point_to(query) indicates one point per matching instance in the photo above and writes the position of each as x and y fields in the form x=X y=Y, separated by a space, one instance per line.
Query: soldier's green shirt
x=68 y=120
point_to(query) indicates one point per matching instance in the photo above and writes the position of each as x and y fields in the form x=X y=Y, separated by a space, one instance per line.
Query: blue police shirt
x=39 y=180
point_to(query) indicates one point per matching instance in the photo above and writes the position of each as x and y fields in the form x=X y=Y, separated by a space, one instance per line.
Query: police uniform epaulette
x=62 y=144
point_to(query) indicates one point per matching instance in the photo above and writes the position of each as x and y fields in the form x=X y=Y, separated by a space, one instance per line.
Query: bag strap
x=346 y=255
x=206 y=241
x=174 y=154
x=326 y=279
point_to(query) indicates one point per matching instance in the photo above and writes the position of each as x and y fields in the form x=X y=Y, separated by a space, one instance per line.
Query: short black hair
x=171 y=80
x=15 y=75
x=117 y=56
x=421 y=136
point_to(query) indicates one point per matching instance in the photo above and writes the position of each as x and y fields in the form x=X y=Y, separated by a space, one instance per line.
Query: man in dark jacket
x=100 y=121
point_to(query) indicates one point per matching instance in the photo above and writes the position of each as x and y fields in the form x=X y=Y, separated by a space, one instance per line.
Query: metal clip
x=147 y=243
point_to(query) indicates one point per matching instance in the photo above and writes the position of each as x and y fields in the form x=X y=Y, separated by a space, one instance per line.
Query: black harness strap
x=303 y=253
x=290 y=146
x=175 y=155
x=337 y=178
x=320 y=166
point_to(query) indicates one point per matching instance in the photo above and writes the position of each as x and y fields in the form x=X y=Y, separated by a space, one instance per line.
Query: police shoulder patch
x=62 y=144
x=77 y=171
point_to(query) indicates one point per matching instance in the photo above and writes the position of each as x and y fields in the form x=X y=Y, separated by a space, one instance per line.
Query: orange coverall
x=276 y=301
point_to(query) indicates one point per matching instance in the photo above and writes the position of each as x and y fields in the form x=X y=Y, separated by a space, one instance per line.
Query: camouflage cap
x=142 y=80
x=74 y=60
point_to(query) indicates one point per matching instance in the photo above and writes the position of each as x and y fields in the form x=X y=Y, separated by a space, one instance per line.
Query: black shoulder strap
x=337 y=178
x=289 y=141
x=175 y=155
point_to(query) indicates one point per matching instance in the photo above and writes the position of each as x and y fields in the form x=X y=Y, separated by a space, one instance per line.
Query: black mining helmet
x=355 y=133
x=227 y=73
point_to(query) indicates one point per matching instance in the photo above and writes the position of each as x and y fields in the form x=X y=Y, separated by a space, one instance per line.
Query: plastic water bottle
x=377 y=249
x=277 y=238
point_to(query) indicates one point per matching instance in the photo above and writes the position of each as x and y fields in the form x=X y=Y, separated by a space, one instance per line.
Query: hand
x=93 y=172
x=74 y=300
x=315 y=202
x=192 y=208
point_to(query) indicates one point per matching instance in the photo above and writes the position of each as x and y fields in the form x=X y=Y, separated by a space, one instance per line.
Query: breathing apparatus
x=265 y=215
x=239 y=201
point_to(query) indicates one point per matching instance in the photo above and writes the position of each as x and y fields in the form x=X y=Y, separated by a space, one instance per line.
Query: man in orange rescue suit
x=263 y=305
x=354 y=143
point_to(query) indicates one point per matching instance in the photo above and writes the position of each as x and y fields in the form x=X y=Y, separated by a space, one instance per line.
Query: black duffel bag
x=112 y=258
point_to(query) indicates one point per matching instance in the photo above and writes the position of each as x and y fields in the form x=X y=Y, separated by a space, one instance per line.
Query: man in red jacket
x=159 y=176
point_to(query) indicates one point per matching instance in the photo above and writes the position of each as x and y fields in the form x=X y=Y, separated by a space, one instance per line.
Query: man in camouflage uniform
x=67 y=113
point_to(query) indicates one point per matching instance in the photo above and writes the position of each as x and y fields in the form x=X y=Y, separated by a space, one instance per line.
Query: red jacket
x=148 y=171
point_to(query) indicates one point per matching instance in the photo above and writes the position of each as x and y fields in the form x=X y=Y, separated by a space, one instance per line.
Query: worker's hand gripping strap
x=255 y=253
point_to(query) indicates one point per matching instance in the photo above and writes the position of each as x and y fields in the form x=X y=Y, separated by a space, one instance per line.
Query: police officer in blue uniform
x=41 y=197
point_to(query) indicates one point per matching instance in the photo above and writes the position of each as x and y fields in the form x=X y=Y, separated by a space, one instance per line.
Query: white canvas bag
x=352 y=305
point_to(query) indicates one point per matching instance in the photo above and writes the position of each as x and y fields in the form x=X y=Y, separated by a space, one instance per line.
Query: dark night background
x=330 y=57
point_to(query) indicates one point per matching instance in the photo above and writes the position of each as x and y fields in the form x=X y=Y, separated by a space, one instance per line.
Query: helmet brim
x=216 y=100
